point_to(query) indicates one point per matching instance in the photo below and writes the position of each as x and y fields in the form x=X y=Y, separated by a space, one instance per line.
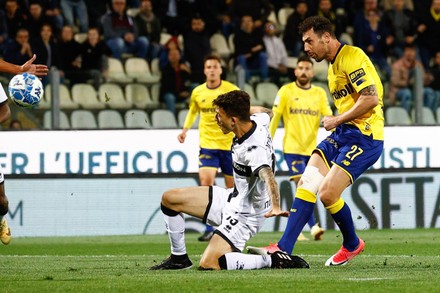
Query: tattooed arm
x=367 y=100
x=268 y=177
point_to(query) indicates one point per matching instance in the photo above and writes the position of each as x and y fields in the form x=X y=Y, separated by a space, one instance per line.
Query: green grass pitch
x=393 y=261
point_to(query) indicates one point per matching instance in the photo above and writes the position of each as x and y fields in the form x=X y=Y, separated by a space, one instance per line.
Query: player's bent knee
x=311 y=179
x=168 y=211
x=209 y=265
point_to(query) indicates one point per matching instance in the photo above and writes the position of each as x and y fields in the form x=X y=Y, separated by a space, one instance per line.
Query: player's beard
x=303 y=81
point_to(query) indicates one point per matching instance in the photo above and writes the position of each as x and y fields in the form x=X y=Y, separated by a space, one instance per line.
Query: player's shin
x=300 y=213
x=341 y=214
x=175 y=226
x=241 y=261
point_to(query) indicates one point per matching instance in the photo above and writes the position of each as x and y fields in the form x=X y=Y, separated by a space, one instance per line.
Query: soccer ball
x=25 y=90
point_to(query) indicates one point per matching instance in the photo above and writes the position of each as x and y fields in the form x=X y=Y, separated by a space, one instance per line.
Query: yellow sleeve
x=193 y=111
x=277 y=109
x=274 y=122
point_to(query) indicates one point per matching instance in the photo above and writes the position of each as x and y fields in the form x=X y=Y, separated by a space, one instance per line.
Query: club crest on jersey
x=340 y=93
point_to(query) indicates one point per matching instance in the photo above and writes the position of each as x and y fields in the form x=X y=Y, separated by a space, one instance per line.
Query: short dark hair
x=212 y=57
x=319 y=24
x=235 y=104
x=304 y=58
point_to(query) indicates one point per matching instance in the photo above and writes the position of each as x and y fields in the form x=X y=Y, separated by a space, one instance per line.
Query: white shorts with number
x=236 y=228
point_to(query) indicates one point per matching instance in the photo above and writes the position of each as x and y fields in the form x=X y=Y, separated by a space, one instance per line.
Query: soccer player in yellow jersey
x=215 y=147
x=355 y=144
x=301 y=105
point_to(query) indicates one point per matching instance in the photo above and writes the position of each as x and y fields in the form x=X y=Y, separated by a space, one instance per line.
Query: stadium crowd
x=79 y=36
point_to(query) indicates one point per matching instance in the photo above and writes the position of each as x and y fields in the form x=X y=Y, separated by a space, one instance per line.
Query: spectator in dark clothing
x=16 y=17
x=52 y=10
x=37 y=19
x=360 y=20
x=249 y=49
x=149 y=26
x=429 y=33
x=374 y=39
x=402 y=25
x=172 y=43
x=3 y=32
x=259 y=10
x=46 y=50
x=215 y=13
x=70 y=53
x=174 y=14
x=121 y=33
x=94 y=53
x=174 y=80
x=76 y=10
x=434 y=76
x=291 y=38
x=95 y=11
x=197 y=46
x=339 y=22
x=19 y=51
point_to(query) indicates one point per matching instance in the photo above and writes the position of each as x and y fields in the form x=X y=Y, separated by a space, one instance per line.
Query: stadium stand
x=83 y=119
x=161 y=118
x=428 y=117
x=140 y=96
x=66 y=101
x=47 y=120
x=116 y=72
x=112 y=96
x=397 y=116
x=138 y=69
x=266 y=93
x=110 y=119
x=85 y=96
x=136 y=118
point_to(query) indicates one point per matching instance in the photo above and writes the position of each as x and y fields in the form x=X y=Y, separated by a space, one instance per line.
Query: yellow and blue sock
x=341 y=214
x=300 y=213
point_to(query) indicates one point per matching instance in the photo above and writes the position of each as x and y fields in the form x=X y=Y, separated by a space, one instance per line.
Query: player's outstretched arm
x=36 y=69
x=268 y=177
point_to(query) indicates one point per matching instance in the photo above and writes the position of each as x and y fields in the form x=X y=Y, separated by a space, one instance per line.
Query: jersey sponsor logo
x=304 y=111
x=347 y=90
x=242 y=170
x=207 y=110
x=356 y=75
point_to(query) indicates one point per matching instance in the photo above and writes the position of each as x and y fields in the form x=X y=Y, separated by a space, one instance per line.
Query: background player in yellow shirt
x=355 y=144
x=215 y=147
x=301 y=105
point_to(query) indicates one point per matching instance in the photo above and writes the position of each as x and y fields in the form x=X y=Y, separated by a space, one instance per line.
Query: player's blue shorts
x=296 y=164
x=351 y=150
x=216 y=159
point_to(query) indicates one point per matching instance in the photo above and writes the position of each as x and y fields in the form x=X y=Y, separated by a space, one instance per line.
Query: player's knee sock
x=209 y=228
x=341 y=214
x=175 y=225
x=300 y=213
x=241 y=261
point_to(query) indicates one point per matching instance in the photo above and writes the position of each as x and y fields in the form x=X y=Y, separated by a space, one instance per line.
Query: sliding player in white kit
x=238 y=212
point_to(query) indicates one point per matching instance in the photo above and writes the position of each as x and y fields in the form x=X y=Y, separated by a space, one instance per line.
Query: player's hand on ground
x=36 y=69
x=276 y=213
